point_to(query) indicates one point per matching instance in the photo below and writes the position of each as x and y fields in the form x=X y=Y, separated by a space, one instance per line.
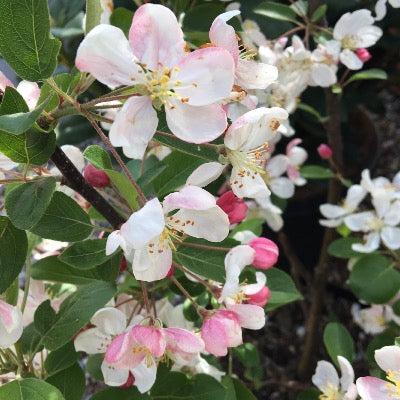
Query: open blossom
x=187 y=84
x=295 y=156
x=374 y=319
x=280 y=185
x=335 y=214
x=257 y=293
x=148 y=236
x=248 y=73
x=325 y=60
x=10 y=324
x=246 y=142
x=327 y=380
x=371 y=388
x=355 y=31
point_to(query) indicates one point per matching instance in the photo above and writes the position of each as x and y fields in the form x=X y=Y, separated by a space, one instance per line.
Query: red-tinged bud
x=96 y=177
x=324 y=151
x=233 y=206
x=260 y=298
x=123 y=265
x=267 y=252
x=170 y=272
x=129 y=382
x=363 y=54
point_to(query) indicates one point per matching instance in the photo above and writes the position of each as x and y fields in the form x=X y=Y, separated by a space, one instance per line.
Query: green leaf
x=25 y=41
x=44 y=317
x=13 y=248
x=309 y=394
x=93 y=366
x=70 y=382
x=248 y=354
x=202 y=152
x=93 y=14
x=300 y=7
x=383 y=339
x=311 y=110
x=205 y=262
x=130 y=393
x=242 y=392
x=30 y=340
x=179 y=167
x=61 y=359
x=26 y=203
x=122 y=18
x=52 y=269
x=341 y=248
x=252 y=224
x=63 y=220
x=282 y=288
x=29 y=389
x=13 y=117
x=316 y=172
x=76 y=311
x=98 y=157
x=85 y=255
x=374 y=280
x=338 y=342
x=276 y=11
x=32 y=147
x=319 y=12
x=373 y=73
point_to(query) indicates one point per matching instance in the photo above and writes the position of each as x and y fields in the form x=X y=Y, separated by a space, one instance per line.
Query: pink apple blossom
x=257 y=293
x=187 y=84
x=266 y=252
x=234 y=207
x=148 y=236
x=10 y=324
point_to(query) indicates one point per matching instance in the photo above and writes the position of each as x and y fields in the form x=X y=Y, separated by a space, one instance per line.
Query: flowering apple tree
x=136 y=264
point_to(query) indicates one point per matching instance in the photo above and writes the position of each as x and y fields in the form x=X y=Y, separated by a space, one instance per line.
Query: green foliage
x=374 y=280
x=93 y=14
x=13 y=248
x=44 y=317
x=341 y=248
x=25 y=41
x=282 y=288
x=61 y=359
x=277 y=11
x=319 y=12
x=316 y=172
x=63 y=220
x=373 y=73
x=85 y=255
x=98 y=157
x=76 y=311
x=29 y=389
x=122 y=18
x=338 y=342
x=26 y=203
x=70 y=382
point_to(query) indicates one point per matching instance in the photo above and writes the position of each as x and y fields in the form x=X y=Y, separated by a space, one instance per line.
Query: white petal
x=380 y=9
x=368 y=36
x=358 y=222
x=331 y=223
x=109 y=320
x=144 y=376
x=211 y=224
x=250 y=185
x=134 y=126
x=250 y=316
x=75 y=155
x=144 y=225
x=151 y=267
x=205 y=174
x=331 y=211
x=92 y=341
x=114 y=241
x=113 y=376
x=190 y=198
x=277 y=166
x=392 y=216
x=195 y=124
x=30 y=91
x=10 y=324
x=354 y=196
x=325 y=375
x=347 y=371
x=256 y=287
x=255 y=75
x=106 y=54
x=371 y=243
x=282 y=187
x=391 y=237
x=388 y=358
x=323 y=75
x=350 y=59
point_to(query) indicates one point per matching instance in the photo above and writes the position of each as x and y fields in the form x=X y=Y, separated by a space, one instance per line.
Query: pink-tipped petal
x=30 y=91
x=151 y=338
x=4 y=82
x=190 y=198
x=156 y=37
x=370 y=388
x=182 y=341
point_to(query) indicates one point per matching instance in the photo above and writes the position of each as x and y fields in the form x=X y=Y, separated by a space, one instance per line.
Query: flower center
x=147 y=355
x=394 y=377
x=349 y=42
x=375 y=224
x=330 y=392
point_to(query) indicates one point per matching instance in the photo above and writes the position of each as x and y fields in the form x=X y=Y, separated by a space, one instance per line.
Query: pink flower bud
x=363 y=54
x=324 y=151
x=129 y=382
x=96 y=177
x=267 y=252
x=170 y=272
x=233 y=206
x=260 y=298
x=123 y=265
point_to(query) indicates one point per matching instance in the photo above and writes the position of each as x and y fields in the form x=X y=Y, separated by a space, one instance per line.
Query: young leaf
x=338 y=342
x=13 y=248
x=341 y=248
x=319 y=12
x=85 y=255
x=76 y=311
x=70 y=382
x=63 y=220
x=373 y=73
x=61 y=359
x=277 y=11
x=98 y=157
x=316 y=172
x=25 y=41
x=44 y=317
x=29 y=389
x=26 y=203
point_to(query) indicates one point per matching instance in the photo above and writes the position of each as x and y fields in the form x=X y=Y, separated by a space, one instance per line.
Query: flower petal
x=145 y=376
x=250 y=316
x=109 y=320
x=151 y=267
x=391 y=237
x=190 y=198
x=347 y=373
x=92 y=341
x=282 y=187
x=156 y=37
x=205 y=174
x=134 y=126
x=255 y=75
x=325 y=375
x=358 y=222
x=30 y=91
x=388 y=358
x=350 y=59
x=106 y=54
x=370 y=388
x=250 y=185
x=371 y=243
x=113 y=376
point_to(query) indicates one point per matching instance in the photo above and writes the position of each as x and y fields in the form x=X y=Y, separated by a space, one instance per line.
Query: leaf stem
x=27 y=282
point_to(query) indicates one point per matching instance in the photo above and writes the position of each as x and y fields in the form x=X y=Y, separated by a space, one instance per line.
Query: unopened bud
x=363 y=54
x=129 y=382
x=96 y=177
x=260 y=298
x=267 y=252
x=123 y=265
x=170 y=272
x=324 y=151
x=234 y=207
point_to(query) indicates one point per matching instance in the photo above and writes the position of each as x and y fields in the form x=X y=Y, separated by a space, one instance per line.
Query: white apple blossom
x=380 y=8
x=374 y=319
x=327 y=380
x=10 y=324
x=148 y=236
